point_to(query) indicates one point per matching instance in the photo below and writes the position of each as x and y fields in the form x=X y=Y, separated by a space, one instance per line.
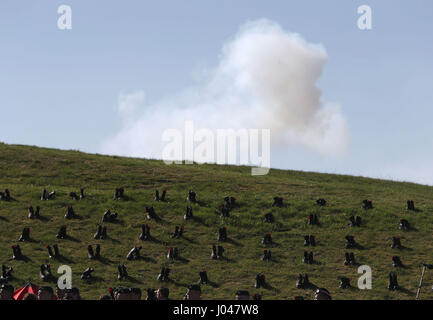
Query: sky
x=127 y=69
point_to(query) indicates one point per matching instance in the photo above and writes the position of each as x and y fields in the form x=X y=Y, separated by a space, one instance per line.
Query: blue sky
x=61 y=88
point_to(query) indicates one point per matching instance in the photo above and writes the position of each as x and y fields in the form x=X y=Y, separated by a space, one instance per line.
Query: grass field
x=27 y=170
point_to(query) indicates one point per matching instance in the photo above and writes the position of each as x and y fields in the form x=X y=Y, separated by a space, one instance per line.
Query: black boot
x=164 y=192
x=44 y=194
x=170 y=254
x=82 y=193
x=161 y=274
x=300 y=282
x=150 y=294
x=98 y=233
x=119 y=272
x=367 y=204
x=346 y=259
x=17 y=254
x=45 y=272
x=62 y=233
x=312 y=241
x=25 y=235
x=31 y=214
x=104 y=233
x=50 y=252
x=344 y=283
x=220 y=252
x=396 y=243
x=176 y=232
x=98 y=251
x=410 y=205
x=188 y=214
x=156 y=195
x=269 y=217
x=315 y=219
x=352 y=259
x=260 y=281
x=358 y=221
x=393 y=283
x=107 y=216
x=214 y=252
x=124 y=272
x=225 y=211
x=145 y=232
x=69 y=213
x=150 y=211
x=306 y=257
x=310 y=258
x=306 y=240
x=51 y=195
x=87 y=274
x=265 y=255
x=90 y=252
x=203 y=277
x=352 y=222
x=56 y=251
x=37 y=212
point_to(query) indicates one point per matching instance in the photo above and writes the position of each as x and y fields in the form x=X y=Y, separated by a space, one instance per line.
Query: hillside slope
x=27 y=170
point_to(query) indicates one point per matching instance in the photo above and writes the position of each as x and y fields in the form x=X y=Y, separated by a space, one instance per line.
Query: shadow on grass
x=69 y=238
x=4 y=219
x=234 y=242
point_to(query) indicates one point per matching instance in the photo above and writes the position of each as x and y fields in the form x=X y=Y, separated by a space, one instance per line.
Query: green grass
x=27 y=170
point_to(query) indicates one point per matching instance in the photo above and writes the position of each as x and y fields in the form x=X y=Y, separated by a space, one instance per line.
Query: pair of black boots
x=34 y=214
x=17 y=254
x=109 y=216
x=350 y=242
x=222 y=234
x=134 y=253
x=87 y=274
x=269 y=217
x=308 y=257
x=164 y=274
x=121 y=272
x=367 y=204
x=278 y=202
x=45 y=272
x=173 y=253
x=188 y=215
x=217 y=252
x=74 y=196
x=267 y=239
x=349 y=259
x=230 y=202
x=101 y=233
x=404 y=224
x=313 y=219
x=225 y=211
x=178 y=232
x=344 y=283
x=94 y=254
x=355 y=221
x=303 y=282
x=267 y=255
x=6 y=274
x=309 y=240
x=53 y=254
x=396 y=262
x=6 y=196
x=119 y=194
x=150 y=213
x=62 y=233
x=145 y=232
x=25 y=235
x=192 y=196
x=162 y=197
x=260 y=281
x=70 y=213
x=321 y=202
x=396 y=243
x=203 y=277
x=410 y=205
x=48 y=196
x=393 y=283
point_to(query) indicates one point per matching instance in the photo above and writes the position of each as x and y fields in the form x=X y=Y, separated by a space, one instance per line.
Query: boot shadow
x=93 y=279
x=406 y=248
x=43 y=219
x=104 y=260
x=4 y=219
x=63 y=259
x=406 y=291
x=187 y=239
x=147 y=259
x=134 y=280
x=234 y=242
x=72 y=239
x=182 y=259
x=113 y=240
x=224 y=258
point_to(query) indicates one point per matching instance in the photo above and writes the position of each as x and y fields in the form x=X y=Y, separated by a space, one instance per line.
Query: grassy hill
x=27 y=170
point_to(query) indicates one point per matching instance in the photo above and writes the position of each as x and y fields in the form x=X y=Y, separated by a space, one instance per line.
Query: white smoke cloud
x=266 y=78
